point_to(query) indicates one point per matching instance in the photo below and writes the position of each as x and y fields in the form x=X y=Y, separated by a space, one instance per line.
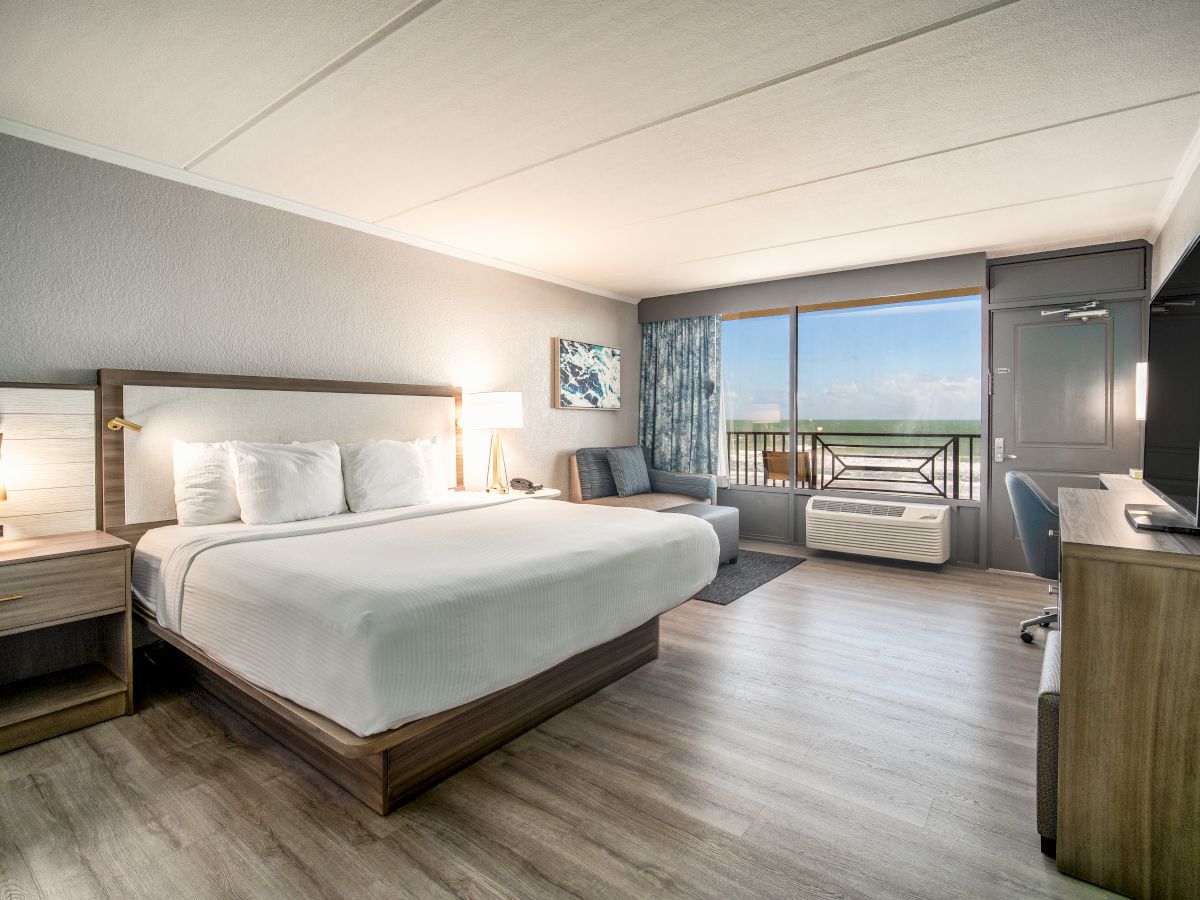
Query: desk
x=1129 y=721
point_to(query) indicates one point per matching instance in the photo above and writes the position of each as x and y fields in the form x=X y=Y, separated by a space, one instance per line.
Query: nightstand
x=65 y=642
x=543 y=494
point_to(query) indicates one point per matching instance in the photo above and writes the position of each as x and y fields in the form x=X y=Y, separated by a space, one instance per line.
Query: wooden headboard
x=312 y=422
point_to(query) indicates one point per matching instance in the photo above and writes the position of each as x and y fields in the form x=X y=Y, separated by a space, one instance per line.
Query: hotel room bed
x=387 y=649
x=376 y=619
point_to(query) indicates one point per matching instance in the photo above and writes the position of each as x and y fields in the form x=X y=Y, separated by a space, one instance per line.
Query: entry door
x=1063 y=405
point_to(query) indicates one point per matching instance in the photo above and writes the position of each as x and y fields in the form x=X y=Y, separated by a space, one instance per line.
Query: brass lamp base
x=497 y=473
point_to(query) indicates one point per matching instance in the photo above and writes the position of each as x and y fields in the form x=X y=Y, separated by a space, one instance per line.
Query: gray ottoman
x=723 y=519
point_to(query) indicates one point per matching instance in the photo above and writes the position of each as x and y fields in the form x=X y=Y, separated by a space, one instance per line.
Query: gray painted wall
x=105 y=267
x=1178 y=234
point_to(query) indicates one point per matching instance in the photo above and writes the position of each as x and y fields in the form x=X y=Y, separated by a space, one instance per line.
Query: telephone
x=524 y=484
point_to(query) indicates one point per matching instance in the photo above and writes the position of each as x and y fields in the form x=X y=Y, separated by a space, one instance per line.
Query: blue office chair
x=1037 y=525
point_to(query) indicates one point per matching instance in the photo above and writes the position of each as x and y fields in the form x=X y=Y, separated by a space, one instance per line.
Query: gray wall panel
x=764 y=514
x=1108 y=274
x=965 y=536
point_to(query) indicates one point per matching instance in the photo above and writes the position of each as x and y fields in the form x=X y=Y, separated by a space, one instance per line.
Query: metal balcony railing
x=932 y=464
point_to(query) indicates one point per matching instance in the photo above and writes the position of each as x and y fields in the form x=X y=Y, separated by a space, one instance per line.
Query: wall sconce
x=116 y=424
x=1141 y=386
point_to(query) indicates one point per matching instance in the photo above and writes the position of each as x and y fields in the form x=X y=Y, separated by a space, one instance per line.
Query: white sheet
x=376 y=619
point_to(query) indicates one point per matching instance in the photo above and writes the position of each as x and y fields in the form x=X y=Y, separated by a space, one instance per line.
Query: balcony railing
x=938 y=465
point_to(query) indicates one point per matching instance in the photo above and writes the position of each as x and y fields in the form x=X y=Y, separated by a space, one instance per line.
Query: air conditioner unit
x=913 y=531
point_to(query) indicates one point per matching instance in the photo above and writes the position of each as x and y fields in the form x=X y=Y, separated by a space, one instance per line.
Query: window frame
x=793 y=313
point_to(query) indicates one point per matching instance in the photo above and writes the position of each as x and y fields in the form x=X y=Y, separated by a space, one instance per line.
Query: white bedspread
x=376 y=619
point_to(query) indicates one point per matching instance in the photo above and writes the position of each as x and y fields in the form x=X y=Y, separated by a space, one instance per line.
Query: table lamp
x=493 y=410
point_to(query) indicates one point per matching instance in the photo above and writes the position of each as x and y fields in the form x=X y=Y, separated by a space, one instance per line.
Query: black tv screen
x=1172 y=451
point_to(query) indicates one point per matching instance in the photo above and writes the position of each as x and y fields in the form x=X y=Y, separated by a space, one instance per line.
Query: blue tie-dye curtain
x=681 y=394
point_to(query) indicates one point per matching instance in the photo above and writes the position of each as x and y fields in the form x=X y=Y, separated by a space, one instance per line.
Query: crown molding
x=80 y=147
x=1188 y=166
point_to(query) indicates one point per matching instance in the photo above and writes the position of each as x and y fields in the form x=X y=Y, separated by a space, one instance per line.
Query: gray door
x=1063 y=404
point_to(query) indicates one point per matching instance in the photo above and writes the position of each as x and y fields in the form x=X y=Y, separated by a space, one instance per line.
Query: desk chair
x=1037 y=524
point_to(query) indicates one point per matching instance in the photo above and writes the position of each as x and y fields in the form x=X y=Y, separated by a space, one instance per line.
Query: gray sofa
x=592 y=481
x=1047 y=744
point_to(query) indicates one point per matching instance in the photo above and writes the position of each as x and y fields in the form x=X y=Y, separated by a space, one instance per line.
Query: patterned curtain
x=681 y=394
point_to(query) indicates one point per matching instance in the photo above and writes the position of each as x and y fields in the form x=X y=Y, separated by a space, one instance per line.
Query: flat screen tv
x=1172 y=449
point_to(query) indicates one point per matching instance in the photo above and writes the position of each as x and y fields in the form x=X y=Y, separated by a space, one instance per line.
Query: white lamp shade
x=493 y=409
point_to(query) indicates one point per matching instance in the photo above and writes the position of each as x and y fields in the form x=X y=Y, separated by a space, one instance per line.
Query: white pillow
x=434 y=456
x=288 y=482
x=205 y=492
x=384 y=475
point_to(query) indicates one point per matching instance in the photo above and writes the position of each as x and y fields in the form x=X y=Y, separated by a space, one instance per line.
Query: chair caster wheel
x=1043 y=624
x=1027 y=637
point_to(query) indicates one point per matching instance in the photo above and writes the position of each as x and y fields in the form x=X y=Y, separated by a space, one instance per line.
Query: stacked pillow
x=385 y=475
x=205 y=490
x=287 y=482
x=267 y=484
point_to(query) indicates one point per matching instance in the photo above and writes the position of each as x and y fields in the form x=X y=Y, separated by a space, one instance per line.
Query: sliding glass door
x=756 y=376
x=886 y=396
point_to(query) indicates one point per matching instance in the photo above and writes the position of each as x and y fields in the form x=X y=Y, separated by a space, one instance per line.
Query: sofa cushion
x=595 y=475
x=629 y=471
x=654 y=502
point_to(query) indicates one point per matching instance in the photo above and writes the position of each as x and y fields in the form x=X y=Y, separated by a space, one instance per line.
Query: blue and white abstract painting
x=589 y=375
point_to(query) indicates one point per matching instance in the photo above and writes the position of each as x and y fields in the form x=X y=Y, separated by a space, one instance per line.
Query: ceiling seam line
x=920 y=156
x=735 y=95
x=970 y=212
x=380 y=34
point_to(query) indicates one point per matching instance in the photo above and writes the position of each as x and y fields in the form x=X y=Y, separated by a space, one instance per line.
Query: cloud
x=900 y=395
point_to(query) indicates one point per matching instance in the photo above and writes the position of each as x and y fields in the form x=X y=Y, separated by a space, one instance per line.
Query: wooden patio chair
x=777 y=468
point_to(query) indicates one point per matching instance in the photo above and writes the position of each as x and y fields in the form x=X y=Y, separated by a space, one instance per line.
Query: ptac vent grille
x=862 y=509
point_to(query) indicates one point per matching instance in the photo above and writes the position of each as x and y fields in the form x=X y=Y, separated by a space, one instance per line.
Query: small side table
x=65 y=642
x=543 y=494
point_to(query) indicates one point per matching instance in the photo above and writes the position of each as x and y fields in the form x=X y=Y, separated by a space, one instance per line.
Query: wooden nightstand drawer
x=49 y=590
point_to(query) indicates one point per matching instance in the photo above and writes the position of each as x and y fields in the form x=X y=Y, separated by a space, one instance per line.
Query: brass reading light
x=116 y=424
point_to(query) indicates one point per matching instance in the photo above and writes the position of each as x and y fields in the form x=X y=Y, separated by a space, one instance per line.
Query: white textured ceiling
x=645 y=147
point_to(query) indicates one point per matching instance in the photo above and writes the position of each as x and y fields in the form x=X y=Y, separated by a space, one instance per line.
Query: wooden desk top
x=1123 y=483
x=1091 y=518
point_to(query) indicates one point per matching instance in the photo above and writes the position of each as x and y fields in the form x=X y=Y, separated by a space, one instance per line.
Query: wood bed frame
x=387 y=769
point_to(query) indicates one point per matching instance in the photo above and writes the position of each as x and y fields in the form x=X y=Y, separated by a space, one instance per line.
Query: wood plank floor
x=850 y=730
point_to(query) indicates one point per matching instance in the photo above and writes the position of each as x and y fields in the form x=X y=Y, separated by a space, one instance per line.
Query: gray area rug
x=751 y=570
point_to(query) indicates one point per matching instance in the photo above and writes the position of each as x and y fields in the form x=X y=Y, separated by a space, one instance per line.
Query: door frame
x=988 y=307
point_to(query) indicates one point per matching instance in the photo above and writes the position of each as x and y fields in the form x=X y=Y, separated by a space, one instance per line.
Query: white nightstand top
x=543 y=494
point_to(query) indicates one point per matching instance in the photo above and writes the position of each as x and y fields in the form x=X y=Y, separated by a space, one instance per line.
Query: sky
x=918 y=360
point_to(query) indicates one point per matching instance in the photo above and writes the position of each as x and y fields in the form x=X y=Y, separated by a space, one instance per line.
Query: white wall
x=105 y=267
x=1182 y=227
